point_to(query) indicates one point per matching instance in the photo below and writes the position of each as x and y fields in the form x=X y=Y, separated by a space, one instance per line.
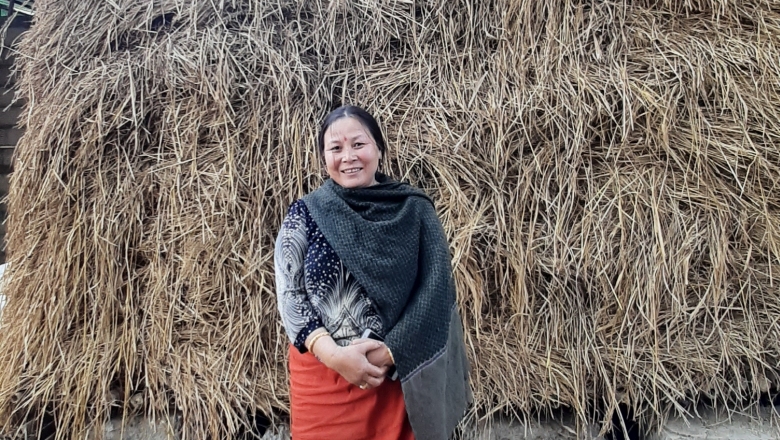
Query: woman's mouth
x=351 y=170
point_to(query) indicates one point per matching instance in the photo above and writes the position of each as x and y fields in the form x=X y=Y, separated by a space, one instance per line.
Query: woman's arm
x=299 y=318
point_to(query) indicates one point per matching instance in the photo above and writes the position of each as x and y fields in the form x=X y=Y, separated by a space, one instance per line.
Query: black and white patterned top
x=313 y=287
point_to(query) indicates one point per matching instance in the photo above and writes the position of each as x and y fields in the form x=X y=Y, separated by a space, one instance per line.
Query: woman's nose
x=349 y=155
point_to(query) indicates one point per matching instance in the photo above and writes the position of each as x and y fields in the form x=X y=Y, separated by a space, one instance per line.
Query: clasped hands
x=363 y=363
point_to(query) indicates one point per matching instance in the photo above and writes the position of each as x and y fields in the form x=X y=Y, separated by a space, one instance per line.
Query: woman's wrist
x=390 y=354
x=315 y=334
x=316 y=338
x=326 y=350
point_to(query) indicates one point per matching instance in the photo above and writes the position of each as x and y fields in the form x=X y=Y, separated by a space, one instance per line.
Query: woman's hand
x=351 y=362
x=379 y=356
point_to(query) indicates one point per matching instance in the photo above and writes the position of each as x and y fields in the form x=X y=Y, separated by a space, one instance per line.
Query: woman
x=365 y=253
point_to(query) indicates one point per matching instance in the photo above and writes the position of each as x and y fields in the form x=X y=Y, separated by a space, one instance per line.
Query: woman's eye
x=358 y=144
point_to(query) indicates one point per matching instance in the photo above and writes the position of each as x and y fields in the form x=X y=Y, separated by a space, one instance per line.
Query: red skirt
x=325 y=406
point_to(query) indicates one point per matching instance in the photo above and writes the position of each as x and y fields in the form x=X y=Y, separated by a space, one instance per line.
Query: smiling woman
x=352 y=145
x=366 y=255
x=351 y=154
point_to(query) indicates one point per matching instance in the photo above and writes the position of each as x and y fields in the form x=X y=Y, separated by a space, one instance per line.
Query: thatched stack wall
x=607 y=172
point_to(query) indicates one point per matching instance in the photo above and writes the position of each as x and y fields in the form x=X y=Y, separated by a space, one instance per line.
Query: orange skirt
x=325 y=406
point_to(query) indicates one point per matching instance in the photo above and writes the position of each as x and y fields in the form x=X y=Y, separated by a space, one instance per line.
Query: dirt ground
x=724 y=425
x=709 y=424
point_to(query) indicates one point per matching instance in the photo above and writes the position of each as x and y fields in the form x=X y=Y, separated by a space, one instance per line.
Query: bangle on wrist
x=314 y=341
x=392 y=359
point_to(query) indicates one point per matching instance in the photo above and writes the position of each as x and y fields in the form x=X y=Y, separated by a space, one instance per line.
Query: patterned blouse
x=313 y=287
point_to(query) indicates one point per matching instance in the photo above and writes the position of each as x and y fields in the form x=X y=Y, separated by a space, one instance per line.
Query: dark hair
x=350 y=111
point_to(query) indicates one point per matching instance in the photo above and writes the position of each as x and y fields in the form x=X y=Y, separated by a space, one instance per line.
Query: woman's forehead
x=346 y=129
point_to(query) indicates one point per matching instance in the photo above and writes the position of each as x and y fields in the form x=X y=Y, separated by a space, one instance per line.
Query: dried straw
x=607 y=173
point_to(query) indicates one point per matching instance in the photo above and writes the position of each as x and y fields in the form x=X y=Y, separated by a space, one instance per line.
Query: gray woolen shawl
x=390 y=238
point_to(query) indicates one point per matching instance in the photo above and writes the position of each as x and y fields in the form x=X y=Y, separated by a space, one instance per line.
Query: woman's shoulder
x=298 y=207
x=421 y=197
x=297 y=214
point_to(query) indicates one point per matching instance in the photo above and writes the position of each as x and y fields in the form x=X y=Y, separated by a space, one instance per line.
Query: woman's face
x=351 y=155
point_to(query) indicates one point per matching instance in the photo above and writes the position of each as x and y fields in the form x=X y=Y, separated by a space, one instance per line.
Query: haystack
x=607 y=172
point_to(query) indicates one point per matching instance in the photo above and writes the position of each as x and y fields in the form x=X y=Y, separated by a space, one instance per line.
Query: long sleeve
x=299 y=318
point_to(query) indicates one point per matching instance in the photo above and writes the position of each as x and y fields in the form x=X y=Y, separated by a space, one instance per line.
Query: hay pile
x=607 y=173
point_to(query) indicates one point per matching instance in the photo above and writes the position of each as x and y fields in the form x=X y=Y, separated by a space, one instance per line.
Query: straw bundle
x=607 y=173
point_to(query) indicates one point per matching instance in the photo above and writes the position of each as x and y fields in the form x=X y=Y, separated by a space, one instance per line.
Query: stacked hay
x=607 y=173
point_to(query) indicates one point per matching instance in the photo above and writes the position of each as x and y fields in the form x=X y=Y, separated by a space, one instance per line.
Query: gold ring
x=363 y=386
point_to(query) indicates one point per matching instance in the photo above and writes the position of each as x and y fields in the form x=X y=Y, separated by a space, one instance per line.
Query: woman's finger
x=373 y=382
x=380 y=373
x=369 y=382
x=373 y=370
x=361 y=341
x=366 y=345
